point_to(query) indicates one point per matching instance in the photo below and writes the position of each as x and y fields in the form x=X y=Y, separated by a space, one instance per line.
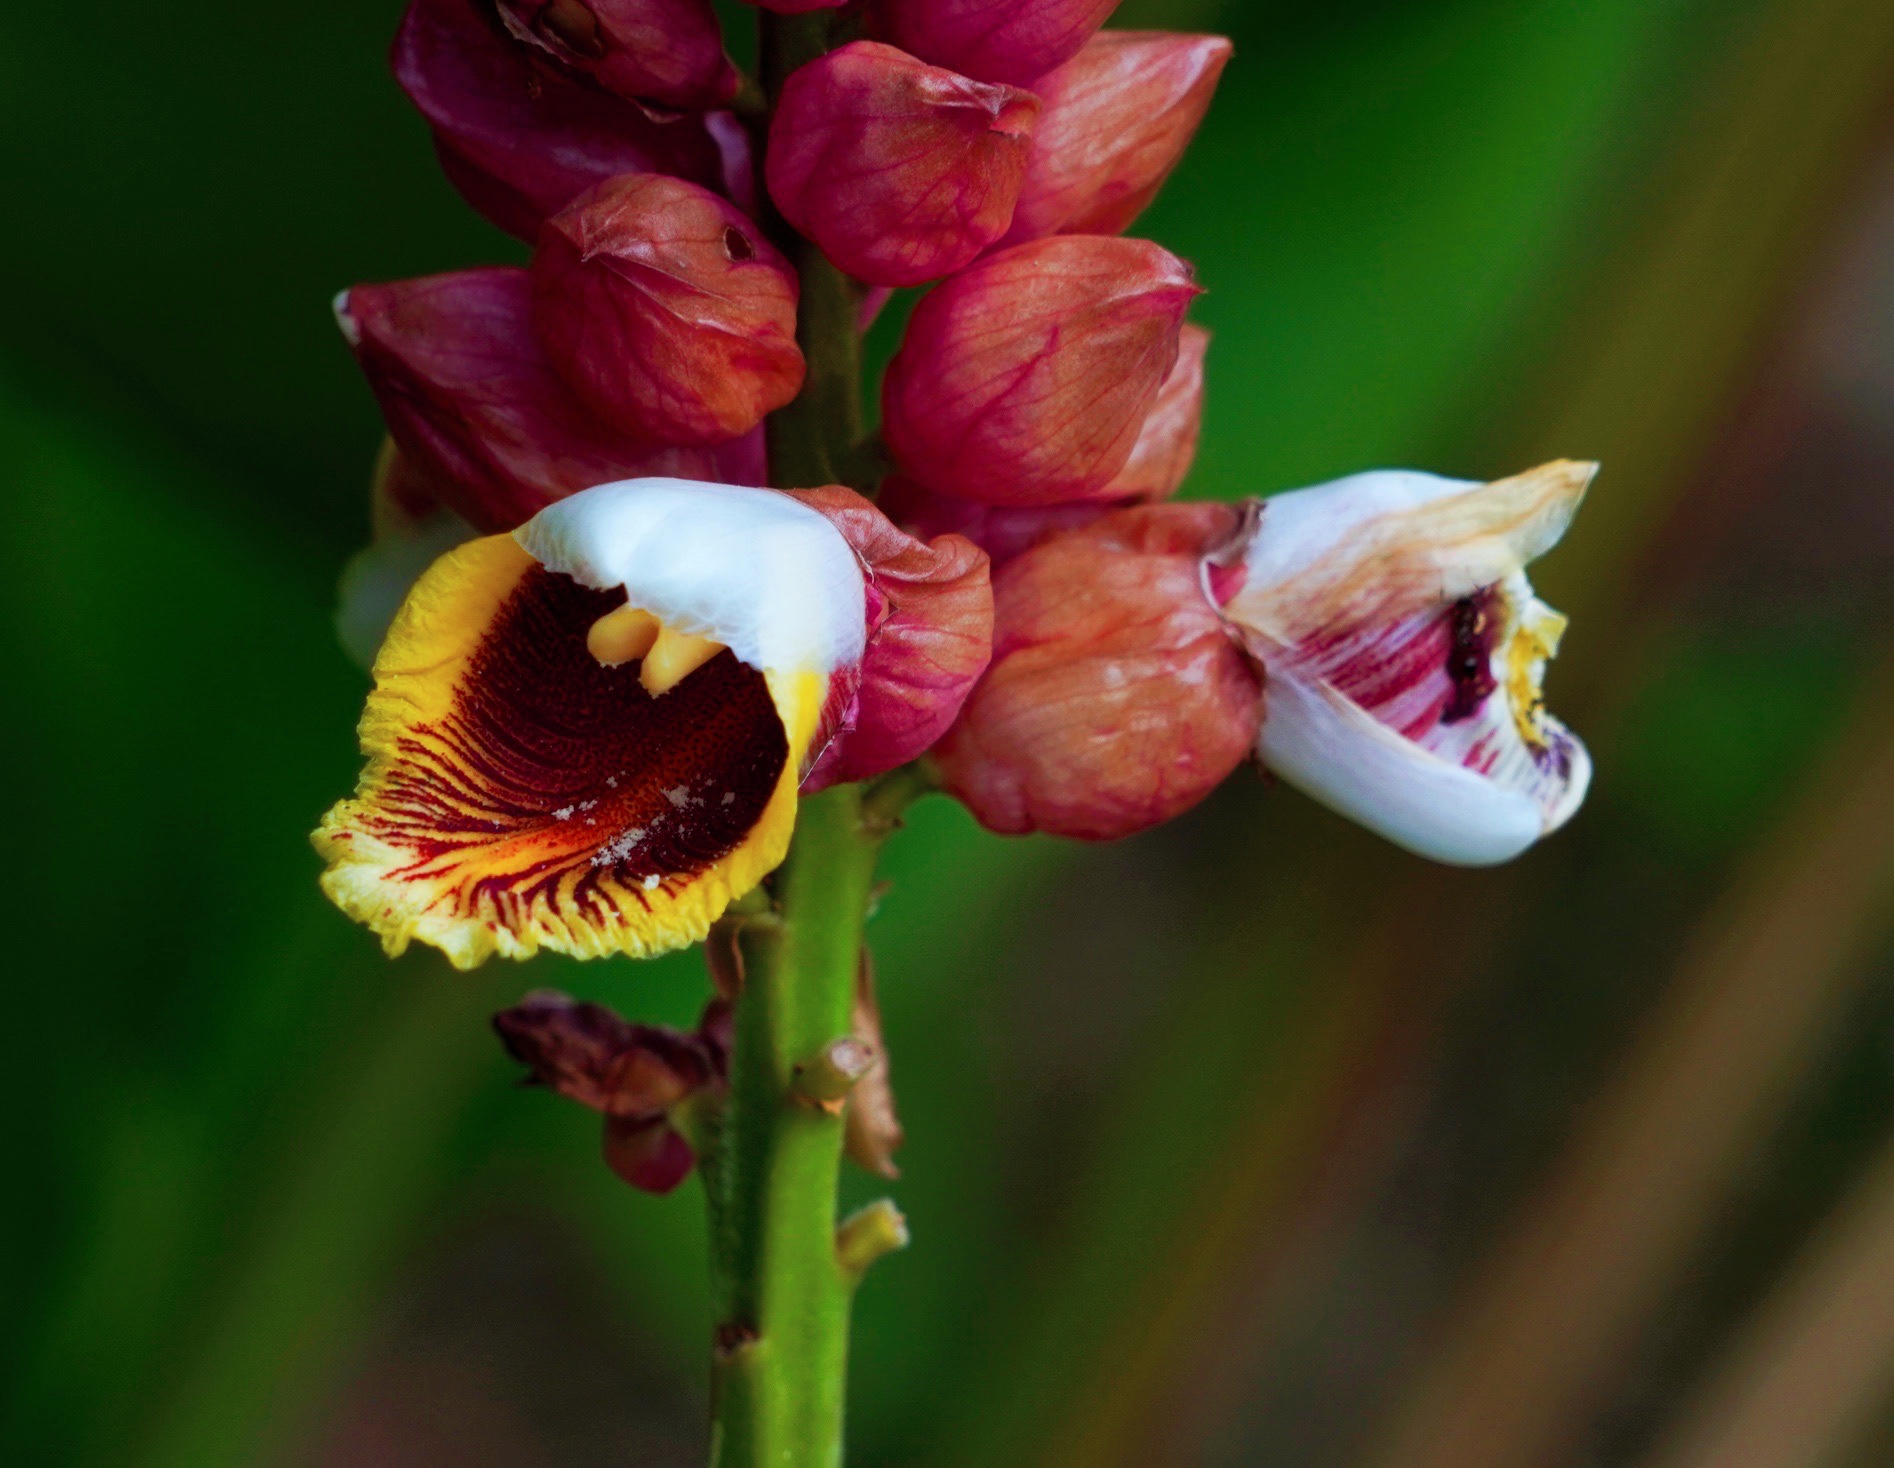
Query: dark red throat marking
x=573 y=767
x=1474 y=630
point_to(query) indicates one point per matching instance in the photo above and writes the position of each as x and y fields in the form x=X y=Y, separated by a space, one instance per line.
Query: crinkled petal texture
x=1405 y=650
x=1160 y=459
x=522 y=794
x=664 y=51
x=930 y=635
x=1027 y=378
x=995 y=40
x=471 y=398
x=667 y=311
x=1117 y=118
x=1117 y=697
x=900 y=171
x=521 y=140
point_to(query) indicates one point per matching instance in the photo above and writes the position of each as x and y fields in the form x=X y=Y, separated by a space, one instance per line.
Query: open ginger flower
x=589 y=735
x=1399 y=646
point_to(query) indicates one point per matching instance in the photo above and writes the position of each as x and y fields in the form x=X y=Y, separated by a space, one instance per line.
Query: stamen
x=673 y=658
x=618 y=637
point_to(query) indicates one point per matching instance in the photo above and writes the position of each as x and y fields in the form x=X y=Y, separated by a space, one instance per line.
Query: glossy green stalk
x=783 y=1290
x=784 y=1293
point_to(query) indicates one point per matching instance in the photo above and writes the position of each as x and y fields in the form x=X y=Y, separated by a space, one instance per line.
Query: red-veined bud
x=520 y=140
x=1117 y=117
x=665 y=51
x=471 y=398
x=995 y=40
x=1117 y=697
x=667 y=311
x=900 y=171
x=1405 y=652
x=930 y=632
x=1026 y=378
x=1167 y=443
x=1161 y=458
x=632 y=1074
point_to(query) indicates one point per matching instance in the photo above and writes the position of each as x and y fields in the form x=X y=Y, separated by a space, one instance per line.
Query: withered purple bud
x=633 y=1074
x=522 y=140
x=1117 y=118
x=667 y=311
x=1026 y=378
x=995 y=40
x=900 y=171
x=665 y=51
x=588 y=1054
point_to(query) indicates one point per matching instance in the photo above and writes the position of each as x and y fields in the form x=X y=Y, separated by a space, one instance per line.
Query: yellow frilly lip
x=519 y=795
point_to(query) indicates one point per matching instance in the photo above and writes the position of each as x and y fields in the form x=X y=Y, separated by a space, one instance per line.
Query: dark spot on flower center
x=1474 y=629
x=736 y=244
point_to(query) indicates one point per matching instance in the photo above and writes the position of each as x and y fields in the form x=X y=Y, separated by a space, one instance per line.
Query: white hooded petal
x=1404 y=650
x=766 y=576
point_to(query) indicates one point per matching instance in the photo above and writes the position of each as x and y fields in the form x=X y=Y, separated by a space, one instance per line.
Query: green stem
x=781 y=1365
x=783 y=1288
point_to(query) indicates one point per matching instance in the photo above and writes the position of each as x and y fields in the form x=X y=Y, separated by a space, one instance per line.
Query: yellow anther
x=673 y=658
x=618 y=637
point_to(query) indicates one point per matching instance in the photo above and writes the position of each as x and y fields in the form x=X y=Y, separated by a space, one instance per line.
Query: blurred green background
x=1246 y=1142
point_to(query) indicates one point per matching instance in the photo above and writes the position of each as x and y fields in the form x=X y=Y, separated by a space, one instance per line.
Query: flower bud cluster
x=1078 y=652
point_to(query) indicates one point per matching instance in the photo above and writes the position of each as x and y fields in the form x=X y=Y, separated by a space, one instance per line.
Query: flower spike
x=1405 y=650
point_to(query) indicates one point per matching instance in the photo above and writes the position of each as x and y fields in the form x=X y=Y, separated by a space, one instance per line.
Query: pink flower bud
x=667 y=311
x=900 y=171
x=521 y=141
x=1117 y=697
x=1167 y=444
x=930 y=632
x=1026 y=378
x=1159 y=461
x=470 y=397
x=995 y=40
x=1117 y=118
x=664 y=51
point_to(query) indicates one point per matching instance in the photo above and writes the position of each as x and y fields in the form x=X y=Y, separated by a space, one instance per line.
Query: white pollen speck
x=611 y=782
x=679 y=796
x=651 y=882
x=564 y=813
x=587 y=804
x=729 y=798
x=619 y=847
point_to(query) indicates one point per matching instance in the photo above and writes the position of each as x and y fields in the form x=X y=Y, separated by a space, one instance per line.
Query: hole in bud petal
x=736 y=244
x=574 y=27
